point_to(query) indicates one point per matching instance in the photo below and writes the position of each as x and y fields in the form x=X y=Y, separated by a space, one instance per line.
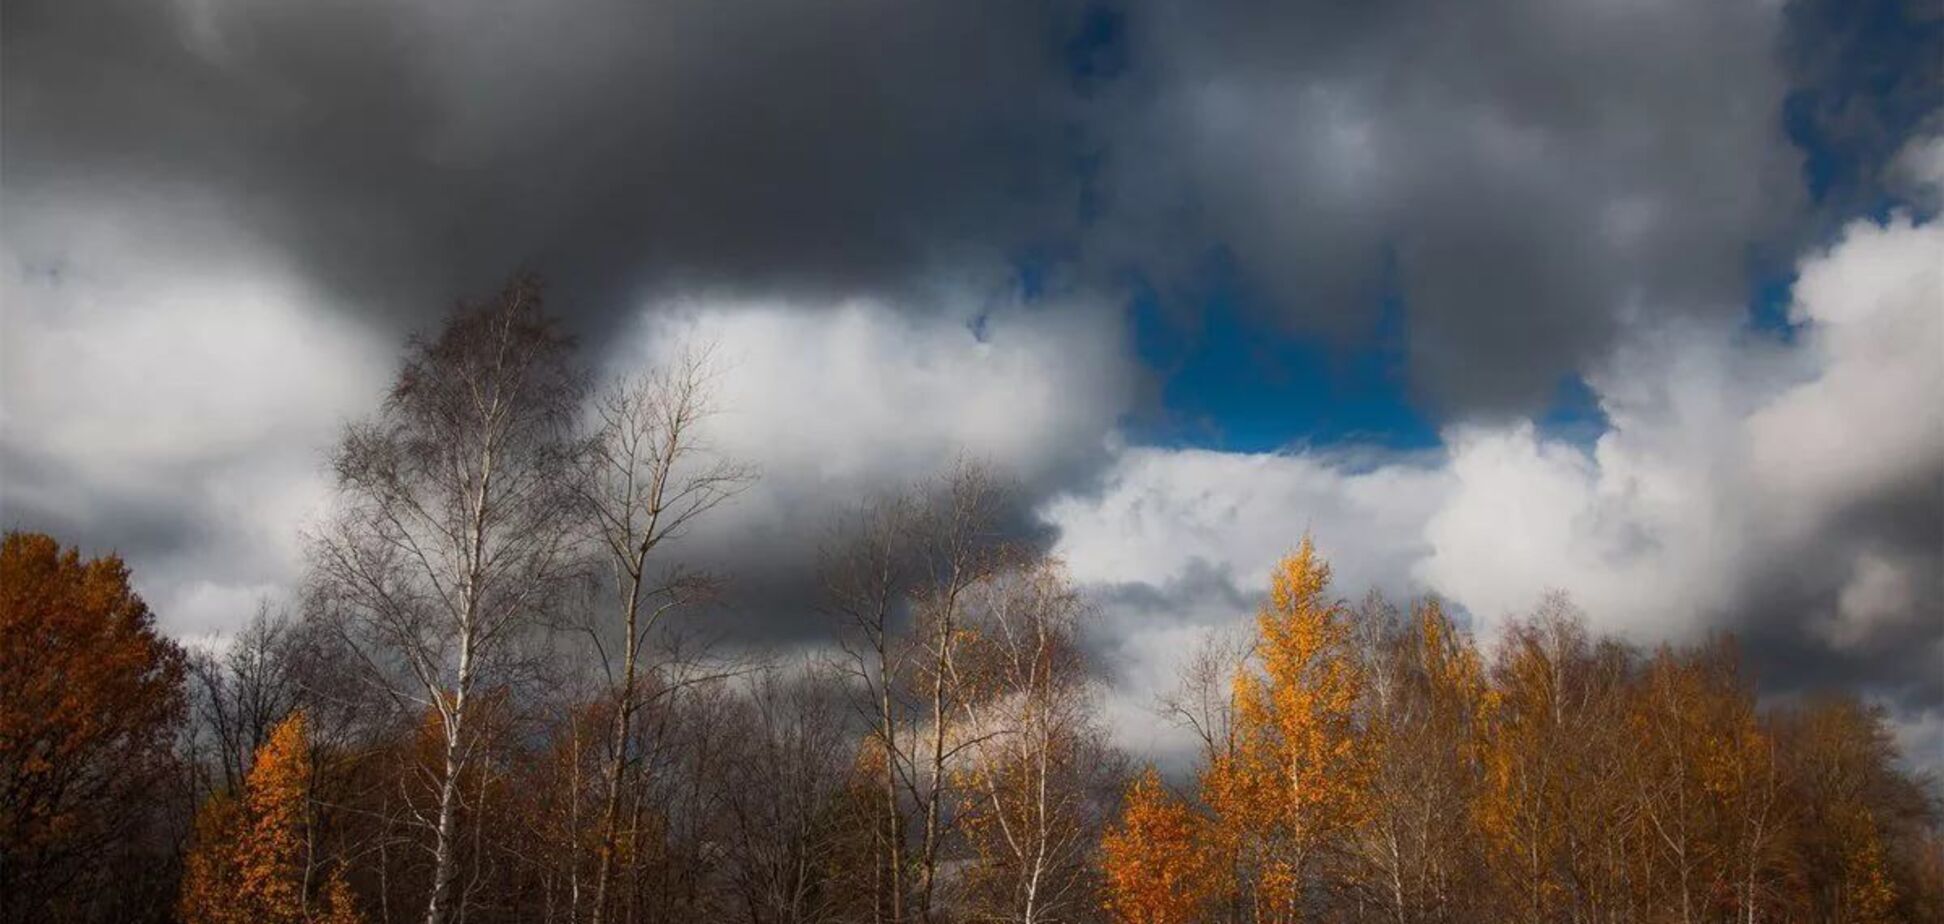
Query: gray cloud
x=404 y=153
x=1524 y=174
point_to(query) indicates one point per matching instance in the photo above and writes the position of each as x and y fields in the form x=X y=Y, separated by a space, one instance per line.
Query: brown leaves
x=91 y=697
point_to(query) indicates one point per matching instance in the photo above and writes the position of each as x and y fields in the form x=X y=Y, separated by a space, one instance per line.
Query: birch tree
x=866 y=576
x=453 y=529
x=1297 y=785
x=1039 y=759
x=644 y=479
x=956 y=544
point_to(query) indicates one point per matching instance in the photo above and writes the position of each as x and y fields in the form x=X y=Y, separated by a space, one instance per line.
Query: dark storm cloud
x=1524 y=174
x=1790 y=613
x=404 y=153
x=1527 y=176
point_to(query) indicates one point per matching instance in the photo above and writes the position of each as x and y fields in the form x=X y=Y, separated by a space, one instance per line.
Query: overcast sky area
x=1638 y=299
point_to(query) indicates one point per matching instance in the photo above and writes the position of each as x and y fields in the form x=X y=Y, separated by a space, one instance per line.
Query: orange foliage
x=339 y=905
x=271 y=856
x=91 y=697
x=1155 y=862
x=209 y=875
x=1297 y=778
x=249 y=865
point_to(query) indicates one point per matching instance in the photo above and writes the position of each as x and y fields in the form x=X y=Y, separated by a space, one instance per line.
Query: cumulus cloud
x=176 y=416
x=836 y=403
x=1792 y=492
x=222 y=215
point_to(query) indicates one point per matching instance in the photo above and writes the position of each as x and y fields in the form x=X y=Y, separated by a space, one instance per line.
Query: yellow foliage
x=1155 y=861
x=1297 y=779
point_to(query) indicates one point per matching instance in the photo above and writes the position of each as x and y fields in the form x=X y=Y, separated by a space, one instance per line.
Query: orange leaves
x=1297 y=779
x=248 y=862
x=340 y=907
x=270 y=857
x=90 y=700
x=209 y=876
x=1156 y=861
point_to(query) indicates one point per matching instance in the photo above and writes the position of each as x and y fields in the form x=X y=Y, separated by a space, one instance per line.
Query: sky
x=1642 y=300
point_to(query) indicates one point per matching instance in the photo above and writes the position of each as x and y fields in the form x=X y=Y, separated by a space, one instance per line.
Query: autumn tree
x=210 y=876
x=1297 y=784
x=645 y=477
x=453 y=530
x=1841 y=775
x=1038 y=758
x=1705 y=789
x=1156 y=860
x=896 y=584
x=256 y=859
x=91 y=698
x=1553 y=806
x=1424 y=702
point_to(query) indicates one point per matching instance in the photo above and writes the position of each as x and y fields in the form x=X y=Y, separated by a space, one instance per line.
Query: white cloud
x=1728 y=458
x=169 y=391
x=835 y=402
x=1161 y=511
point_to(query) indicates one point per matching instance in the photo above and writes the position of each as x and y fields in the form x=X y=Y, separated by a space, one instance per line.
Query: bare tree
x=867 y=575
x=956 y=544
x=453 y=532
x=783 y=793
x=907 y=565
x=644 y=479
x=239 y=694
x=1200 y=700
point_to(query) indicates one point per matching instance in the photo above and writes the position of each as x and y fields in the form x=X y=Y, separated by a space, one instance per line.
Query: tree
x=210 y=878
x=1424 y=702
x=1850 y=796
x=1551 y=809
x=1155 y=860
x=909 y=563
x=1297 y=784
x=785 y=793
x=91 y=698
x=644 y=479
x=866 y=576
x=340 y=906
x=454 y=528
x=1037 y=754
x=953 y=535
x=255 y=858
x=242 y=693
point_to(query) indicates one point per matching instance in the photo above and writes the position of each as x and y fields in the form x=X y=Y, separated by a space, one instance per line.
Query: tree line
x=488 y=704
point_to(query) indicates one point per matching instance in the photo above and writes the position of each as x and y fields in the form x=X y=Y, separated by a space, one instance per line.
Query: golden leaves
x=1156 y=861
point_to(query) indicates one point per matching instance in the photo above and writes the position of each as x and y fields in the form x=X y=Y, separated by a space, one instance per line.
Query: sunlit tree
x=1157 y=863
x=1297 y=784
